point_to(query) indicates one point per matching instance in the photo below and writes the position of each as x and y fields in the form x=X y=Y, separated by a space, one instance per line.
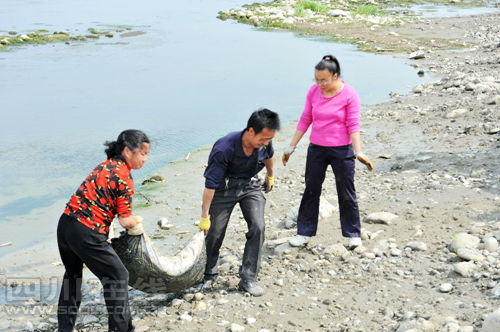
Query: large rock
x=465 y=269
x=337 y=250
x=325 y=208
x=385 y=218
x=492 y=322
x=420 y=325
x=469 y=254
x=463 y=240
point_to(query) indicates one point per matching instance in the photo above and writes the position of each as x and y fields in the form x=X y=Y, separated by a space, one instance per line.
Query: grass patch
x=312 y=5
x=367 y=10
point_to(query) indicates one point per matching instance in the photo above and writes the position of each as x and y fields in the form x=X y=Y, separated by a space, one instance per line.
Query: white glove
x=137 y=229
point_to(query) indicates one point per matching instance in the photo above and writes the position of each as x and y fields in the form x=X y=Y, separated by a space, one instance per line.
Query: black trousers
x=252 y=202
x=79 y=244
x=342 y=161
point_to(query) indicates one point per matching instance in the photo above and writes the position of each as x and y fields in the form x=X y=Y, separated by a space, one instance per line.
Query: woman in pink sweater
x=333 y=109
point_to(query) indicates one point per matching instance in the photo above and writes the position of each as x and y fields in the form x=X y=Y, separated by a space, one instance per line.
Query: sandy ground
x=436 y=153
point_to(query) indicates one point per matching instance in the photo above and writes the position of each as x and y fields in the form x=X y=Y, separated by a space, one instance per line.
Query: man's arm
x=208 y=196
x=269 y=184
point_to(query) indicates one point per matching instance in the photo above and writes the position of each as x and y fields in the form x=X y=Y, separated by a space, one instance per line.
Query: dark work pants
x=342 y=161
x=252 y=202
x=79 y=244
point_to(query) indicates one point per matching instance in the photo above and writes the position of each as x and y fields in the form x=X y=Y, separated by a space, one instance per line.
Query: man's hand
x=286 y=154
x=204 y=224
x=364 y=159
x=269 y=183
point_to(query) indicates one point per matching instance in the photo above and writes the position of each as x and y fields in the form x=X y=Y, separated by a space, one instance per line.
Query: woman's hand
x=364 y=160
x=287 y=153
x=137 y=229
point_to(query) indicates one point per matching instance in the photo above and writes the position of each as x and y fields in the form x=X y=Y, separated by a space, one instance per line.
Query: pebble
x=385 y=218
x=491 y=244
x=186 y=317
x=445 y=288
x=416 y=245
x=200 y=306
x=250 y=320
x=236 y=328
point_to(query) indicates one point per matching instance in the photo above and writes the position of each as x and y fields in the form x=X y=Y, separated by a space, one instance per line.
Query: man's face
x=263 y=138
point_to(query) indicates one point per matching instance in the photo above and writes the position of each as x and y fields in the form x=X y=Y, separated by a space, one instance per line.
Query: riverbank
x=387 y=26
x=436 y=171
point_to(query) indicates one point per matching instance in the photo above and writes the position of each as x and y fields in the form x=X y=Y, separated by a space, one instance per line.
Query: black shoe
x=251 y=287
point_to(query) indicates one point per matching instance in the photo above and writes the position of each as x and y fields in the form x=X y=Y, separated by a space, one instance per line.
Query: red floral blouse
x=106 y=192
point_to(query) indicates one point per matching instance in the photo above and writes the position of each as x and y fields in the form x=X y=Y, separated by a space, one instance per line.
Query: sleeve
x=306 y=116
x=353 y=114
x=269 y=150
x=216 y=169
x=125 y=191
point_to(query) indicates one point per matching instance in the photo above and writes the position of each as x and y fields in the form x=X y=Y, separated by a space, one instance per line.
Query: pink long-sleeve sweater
x=332 y=118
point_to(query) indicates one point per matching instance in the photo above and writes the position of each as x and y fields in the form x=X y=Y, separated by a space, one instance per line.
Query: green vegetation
x=367 y=10
x=313 y=5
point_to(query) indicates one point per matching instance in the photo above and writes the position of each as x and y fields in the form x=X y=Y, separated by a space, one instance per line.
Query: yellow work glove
x=269 y=184
x=204 y=224
x=286 y=154
x=364 y=160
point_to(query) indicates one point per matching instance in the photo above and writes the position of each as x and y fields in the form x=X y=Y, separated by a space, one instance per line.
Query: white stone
x=416 y=245
x=445 y=288
x=463 y=240
x=236 y=328
x=465 y=269
x=456 y=113
x=336 y=250
x=491 y=322
x=385 y=218
x=186 y=317
x=470 y=254
x=338 y=12
x=176 y=302
x=395 y=252
x=416 y=55
x=164 y=223
x=251 y=320
x=325 y=208
x=491 y=244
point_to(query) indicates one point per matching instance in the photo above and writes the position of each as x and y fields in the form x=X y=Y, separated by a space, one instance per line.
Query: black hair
x=263 y=118
x=330 y=63
x=132 y=138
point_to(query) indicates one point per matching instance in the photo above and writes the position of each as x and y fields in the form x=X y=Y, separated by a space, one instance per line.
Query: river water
x=187 y=80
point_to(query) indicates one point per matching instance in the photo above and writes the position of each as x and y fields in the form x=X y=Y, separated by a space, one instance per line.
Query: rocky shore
x=431 y=210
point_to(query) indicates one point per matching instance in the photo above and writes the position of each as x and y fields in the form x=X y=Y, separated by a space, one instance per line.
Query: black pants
x=342 y=161
x=252 y=202
x=79 y=244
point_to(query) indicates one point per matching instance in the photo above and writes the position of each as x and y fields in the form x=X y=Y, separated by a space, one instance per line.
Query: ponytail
x=330 y=63
x=131 y=138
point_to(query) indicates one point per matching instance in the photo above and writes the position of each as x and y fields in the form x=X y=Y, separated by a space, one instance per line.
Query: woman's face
x=325 y=80
x=135 y=159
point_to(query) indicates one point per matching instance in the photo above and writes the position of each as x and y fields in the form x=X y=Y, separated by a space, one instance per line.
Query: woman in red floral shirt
x=83 y=230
